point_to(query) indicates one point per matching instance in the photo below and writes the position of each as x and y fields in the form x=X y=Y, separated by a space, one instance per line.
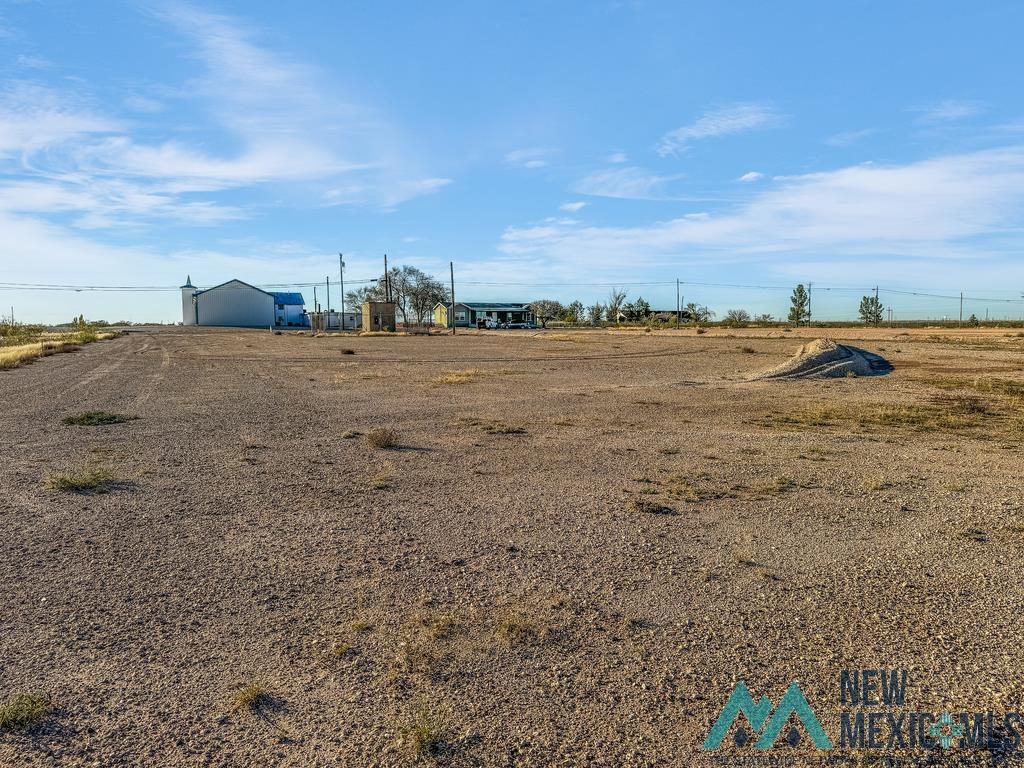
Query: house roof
x=292 y=299
x=489 y=306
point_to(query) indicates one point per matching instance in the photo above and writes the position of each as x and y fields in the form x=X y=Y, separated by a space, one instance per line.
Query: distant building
x=239 y=304
x=471 y=313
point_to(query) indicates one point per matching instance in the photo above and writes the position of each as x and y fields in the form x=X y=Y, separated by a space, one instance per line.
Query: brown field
x=498 y=549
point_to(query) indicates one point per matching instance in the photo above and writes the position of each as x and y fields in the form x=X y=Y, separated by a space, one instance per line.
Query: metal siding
x=236 y=304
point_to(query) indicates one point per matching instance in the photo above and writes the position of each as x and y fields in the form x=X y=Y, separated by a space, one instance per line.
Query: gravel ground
x=580 y=542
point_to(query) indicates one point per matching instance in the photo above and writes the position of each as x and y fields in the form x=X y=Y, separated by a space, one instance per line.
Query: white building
x=235 y=303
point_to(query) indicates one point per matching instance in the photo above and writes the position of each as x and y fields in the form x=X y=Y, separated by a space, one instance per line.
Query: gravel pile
x=825 y=359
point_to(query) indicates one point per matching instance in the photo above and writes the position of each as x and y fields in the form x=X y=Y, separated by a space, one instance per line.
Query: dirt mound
x=823 y=359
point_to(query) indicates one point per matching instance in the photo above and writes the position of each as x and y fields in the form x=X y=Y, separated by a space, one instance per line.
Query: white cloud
x=572 y=207
x=751 y=176
x=949 y=110
x=278 y=122
x=618 y=157
x=627 y=183
x=33 y=117
x=725 y=121
x=529 y=157
x=961 y=206
x=849 y=138
x=33 y=62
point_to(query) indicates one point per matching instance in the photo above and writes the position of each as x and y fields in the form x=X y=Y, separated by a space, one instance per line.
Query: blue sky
x=555 y=145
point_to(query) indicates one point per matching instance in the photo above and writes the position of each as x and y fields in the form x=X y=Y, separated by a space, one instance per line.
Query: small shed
x=379 y=316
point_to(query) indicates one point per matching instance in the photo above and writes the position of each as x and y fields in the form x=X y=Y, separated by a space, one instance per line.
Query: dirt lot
x=579 y=544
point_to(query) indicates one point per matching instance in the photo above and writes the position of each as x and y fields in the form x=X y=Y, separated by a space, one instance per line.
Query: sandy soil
x=579 y=545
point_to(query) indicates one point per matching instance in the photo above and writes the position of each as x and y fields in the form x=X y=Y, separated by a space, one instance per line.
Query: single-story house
x=469 y=313
x=236 y=303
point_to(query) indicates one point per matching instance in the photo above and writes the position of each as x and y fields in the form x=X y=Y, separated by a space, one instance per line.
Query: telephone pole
x=341 y=271
x=451 y=269
x=961 y=321
x=328 y=294
x=809 y=284
x=679 y=315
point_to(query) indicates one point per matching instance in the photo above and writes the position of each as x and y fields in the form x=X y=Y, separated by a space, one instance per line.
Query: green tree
x=871 y=310
x=595 y=312
x=799 y=305
x=575 y=312
x=547 y=309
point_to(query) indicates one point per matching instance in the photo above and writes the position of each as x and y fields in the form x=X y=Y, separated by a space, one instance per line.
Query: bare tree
x=616 y=298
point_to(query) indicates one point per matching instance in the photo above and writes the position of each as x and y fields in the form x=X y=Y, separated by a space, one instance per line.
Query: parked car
x=519 y=325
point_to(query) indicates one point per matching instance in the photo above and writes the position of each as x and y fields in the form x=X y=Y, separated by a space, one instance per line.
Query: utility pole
x=451 y=269
x=328 y=294
x=316 y=307
x=341 y=270
x=809 y=284
x=961 y=322
x=679 y=315
x=387 y=280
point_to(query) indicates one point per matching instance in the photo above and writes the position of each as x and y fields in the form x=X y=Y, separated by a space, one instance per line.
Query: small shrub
x=382 y=439
x=348 y=434
x=88 y=479
x=253 y=696
x=748 y=350
x=97 y=419
x=23 y=710
x=701 y=330
x=348 y=351
x=423 y=735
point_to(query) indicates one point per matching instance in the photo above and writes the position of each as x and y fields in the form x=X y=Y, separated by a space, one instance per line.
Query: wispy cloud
x=572 y=207
x=961 y=206
x=849 y=138
x=618 y=157
x=530 y=157
x=271 y=119
x=750 y=176
x=950 y=109
x=724 y=121
x=628 y=182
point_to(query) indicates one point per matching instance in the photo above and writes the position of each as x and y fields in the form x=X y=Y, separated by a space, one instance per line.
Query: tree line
x=416 y=293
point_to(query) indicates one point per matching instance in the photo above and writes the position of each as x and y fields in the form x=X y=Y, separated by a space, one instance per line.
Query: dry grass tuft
x=253 y=696
x=24 y=710
x=348 y=434
x=423 y=735
x=464 y=376
x=85 y=479
x=97 y=419
x=382 y=439
x=491 y=426
x=516 y=627
x=383 y=478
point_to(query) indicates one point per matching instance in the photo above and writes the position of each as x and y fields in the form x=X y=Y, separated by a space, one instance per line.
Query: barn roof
x=294 y=299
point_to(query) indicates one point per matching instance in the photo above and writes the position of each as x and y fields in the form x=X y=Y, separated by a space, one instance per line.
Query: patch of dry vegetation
x=89 y=478
x=382 y=438
x=23 y=710
x=519 y=627
x=424 y=733
x=491 y=426
x=97 y=419
x=18 y=347
x=646 y=507
x=253 y=696
x=464 y=376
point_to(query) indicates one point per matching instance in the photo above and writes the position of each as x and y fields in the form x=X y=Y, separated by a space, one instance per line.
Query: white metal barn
x=239 y=304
